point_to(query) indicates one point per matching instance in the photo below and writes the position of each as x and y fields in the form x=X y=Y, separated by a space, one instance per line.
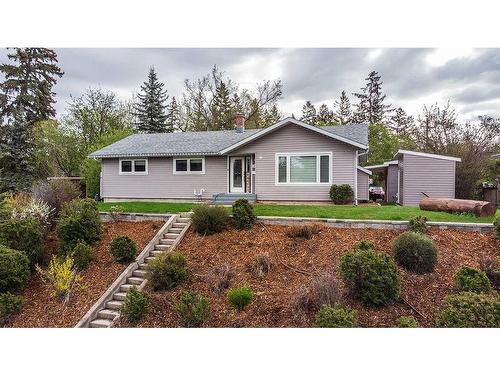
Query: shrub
x=324 y=290
x=415 y=252
x=136 y=305
x=78 y=222
x=24 y=235
x=471 y=280
x=470 y=310
x=26 y=207
x=304 y=231
x=408 y=322
x=418 y=224
x=365 y=245
x=115 y=212
x=9 y=304
x=14 y=270
x=490 y=266
x=61 y=275
x=123 y=249
x=341 y=194
x=243 y=215
x=83 y=254
x=220 y=277
x=240 y=297
x=192 y=308
x=372 y=277
x=168 y=271
x=56 y=193
x=336 y=317
x=496 y=227
x=261 y=265
x=5 y=206
x=209 y=219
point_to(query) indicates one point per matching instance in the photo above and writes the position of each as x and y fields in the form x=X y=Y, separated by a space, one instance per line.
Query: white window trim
x=318 y=165
x=133 y=167
x=174 y=171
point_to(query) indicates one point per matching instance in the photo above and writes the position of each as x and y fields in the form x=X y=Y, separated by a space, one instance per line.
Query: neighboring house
x=288 y=161
x=415 y=175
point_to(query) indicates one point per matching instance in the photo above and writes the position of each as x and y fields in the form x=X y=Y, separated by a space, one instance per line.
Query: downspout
x=356 y=179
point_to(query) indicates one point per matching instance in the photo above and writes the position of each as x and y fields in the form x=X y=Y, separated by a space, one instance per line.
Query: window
x=189 y=166
x=134 y=166
x=312 y=168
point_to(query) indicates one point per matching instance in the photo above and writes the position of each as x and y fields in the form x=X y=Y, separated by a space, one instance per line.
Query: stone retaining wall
x=105 y=217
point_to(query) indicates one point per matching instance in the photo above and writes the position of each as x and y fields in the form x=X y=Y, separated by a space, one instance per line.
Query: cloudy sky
x=469 y=78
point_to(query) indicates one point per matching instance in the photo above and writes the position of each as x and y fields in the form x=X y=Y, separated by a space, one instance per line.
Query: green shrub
x=10 y=304
x=496 y=227
x=24 y=235
x=78 y=222
x=336 y=317
x=83 y=254
x=136 y=305
x=56 y=193
x=168 y=271
x=415 y=252
x=14 y=270
x=471 y=280
x=408 y=322
x=341 y=194
x=61 y=275
x=243 y=215
x=209 y=219
x=5 y=206
x=192 y=308
x=490 y=266
x=418 y=224
x=470 y=310
x=123 y=249
x=372 y=277
x=365 y=245
x=239 y=297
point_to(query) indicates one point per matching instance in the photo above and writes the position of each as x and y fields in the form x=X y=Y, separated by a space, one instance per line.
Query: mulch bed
x=43 y=310
x=274 y=294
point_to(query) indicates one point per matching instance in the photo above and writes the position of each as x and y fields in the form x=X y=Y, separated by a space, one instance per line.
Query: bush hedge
x=123 y=249
x=24 y=235
x=243 y=215
x=496 y=227
x=208 y=220
x=471 y=280
x=9 y=304
x=136 y=305
x=418 y=224
x=240 y=297
x=415 y=252
x=14 y=270
x=56 y=193
x=341 y=194
x=192 y=308
x=336 y=317
x=408 y=322
x=168 y=271
x=83 y=255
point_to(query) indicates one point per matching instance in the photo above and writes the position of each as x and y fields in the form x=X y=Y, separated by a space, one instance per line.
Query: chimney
x=240 y=123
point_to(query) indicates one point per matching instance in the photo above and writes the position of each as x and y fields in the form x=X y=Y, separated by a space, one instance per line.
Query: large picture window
x=307 y=168
x=189 y=166
x=134 y=166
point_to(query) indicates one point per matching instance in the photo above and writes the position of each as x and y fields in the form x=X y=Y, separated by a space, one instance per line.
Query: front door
x=236 y=175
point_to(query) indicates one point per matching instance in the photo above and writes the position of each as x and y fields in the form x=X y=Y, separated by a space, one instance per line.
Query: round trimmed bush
x=240 y=297
x=471 y=280
x=372 y=277
x=136 y=305
x=408 y=322
x=14 y=270
x=83 y=254
x=341 y=194
x=192 y=308
x=243 y=215
x=168 y=271
x=415 y=252
x=24 y=235
x=469 y=310
x=418 y=224
x=208 y=220
x=336 y=317
x=123 y=249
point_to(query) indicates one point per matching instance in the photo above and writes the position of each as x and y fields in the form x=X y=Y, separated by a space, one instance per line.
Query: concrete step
x=175 y=230
x=120 y=296
x=162 y=246
x=125 y=287
x=143 y=266
x=178 y=225
x=156 y=253
x=149 y=259
x=140 y=273
x=171 y=235
x=183 y=220
x=107 y=314
x=164 y=241
x=100 y=323
x=114 y=305
x=135 y=280
x=185 y=214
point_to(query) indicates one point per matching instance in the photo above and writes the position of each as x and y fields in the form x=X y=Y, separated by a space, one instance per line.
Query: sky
x=468 y=78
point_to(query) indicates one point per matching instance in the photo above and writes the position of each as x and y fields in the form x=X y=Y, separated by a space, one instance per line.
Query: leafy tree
x=383 y=143
x=343 y=113
x=400 y=122
x=309 y=113
x=371 y=107
x=325 y=116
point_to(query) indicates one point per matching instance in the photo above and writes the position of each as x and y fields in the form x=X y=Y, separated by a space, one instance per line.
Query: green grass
x=371 y=212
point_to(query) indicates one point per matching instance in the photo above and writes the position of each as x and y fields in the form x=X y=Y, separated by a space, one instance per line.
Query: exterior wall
x=161 y=183
x=435 y=177
x=363 y=185
x=392 y=183
x=293 y=138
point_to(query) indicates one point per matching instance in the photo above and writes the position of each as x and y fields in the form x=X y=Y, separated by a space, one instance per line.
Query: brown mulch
x=274 y=294
x=43 y=310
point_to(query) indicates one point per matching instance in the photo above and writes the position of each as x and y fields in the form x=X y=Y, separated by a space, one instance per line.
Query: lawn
x=371 y=212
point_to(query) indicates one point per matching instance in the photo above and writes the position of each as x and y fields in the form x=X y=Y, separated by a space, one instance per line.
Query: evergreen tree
x=151 y=108
x=222 y=108
x=309 y=113
x=173 y=116
x=325 y=116
x=400 y=122
x=371 y=107
x=272 y=116
x=343 y=112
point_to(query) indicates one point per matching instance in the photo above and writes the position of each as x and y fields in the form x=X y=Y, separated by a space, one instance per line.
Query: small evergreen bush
x=243 y=215
x=372 y=277
x=115 y=212
x=24 y=235
x=14 y=270
x=192 y=308
x=240 y=297
x=168 y=271
x=336 y=317
x=415 y=252
x=83 y=254
x=418 y=224
x=136 y=305
x=10 y=304
x=496 y=227
x=471 y=280
x=208 y=220
x=365 y=245
x=469 y=310
x=62 y=276
x=123 y=249
x=408 y=322
x=341 y=194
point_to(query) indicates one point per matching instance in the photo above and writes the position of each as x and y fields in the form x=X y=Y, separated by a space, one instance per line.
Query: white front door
x=236 y=175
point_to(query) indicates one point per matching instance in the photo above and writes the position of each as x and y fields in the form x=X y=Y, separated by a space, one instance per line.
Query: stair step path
x=140 y=273
x=162 y=246
x=120 y=296
x=100 y=323
x=175 y=230
x=143 y=266
x=107 y=314
x=135 y=280
x=114 y=305
x=178 y=225
x=171 y=235
x=183 y=220
x=125 y=287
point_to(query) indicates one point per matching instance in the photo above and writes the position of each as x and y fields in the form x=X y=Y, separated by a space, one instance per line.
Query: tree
x=343 y=113
x=150 y=108
x=383 y=143
x=436 y=128
x=325 y=116
x=309 y=113
x=173 y=115
x=400 y=122
x=371 y=107
x=222 y=108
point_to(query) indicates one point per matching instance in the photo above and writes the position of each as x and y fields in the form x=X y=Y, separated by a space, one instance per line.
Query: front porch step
x=107 y=314
x=230 y=198
x=100 y=323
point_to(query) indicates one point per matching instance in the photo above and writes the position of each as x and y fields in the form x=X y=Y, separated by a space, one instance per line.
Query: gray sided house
x=288 y=161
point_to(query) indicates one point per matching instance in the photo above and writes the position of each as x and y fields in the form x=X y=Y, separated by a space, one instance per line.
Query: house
x=288 y=161
x=415 y=175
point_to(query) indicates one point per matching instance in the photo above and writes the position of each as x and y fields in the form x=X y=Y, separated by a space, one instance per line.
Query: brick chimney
x=240 y=123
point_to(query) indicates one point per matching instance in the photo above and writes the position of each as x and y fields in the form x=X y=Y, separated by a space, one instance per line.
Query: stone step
x=125 y=287
x=114 y=305
x=162 y=247
x=183 y=220
x=186 y=214
x=171 y=235
x=100 y=323
x=120 y=296
x=135 y=280
x=149 y=259
x=156 y=253
x=175 y=230
x=164 y=241
x=140 y=273
x=143 y=266
x=107 y=314
x=178 y=225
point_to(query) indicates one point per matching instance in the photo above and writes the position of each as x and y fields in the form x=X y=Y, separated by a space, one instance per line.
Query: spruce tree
x=400 y=122
x=150 y=109
x=173 y=116
x=309 y=113
x=371 y=107
x=325 y=116
x=222 y=108
x=343 y=112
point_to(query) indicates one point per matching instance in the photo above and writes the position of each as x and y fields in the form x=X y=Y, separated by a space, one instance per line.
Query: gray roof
x=202 y=143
